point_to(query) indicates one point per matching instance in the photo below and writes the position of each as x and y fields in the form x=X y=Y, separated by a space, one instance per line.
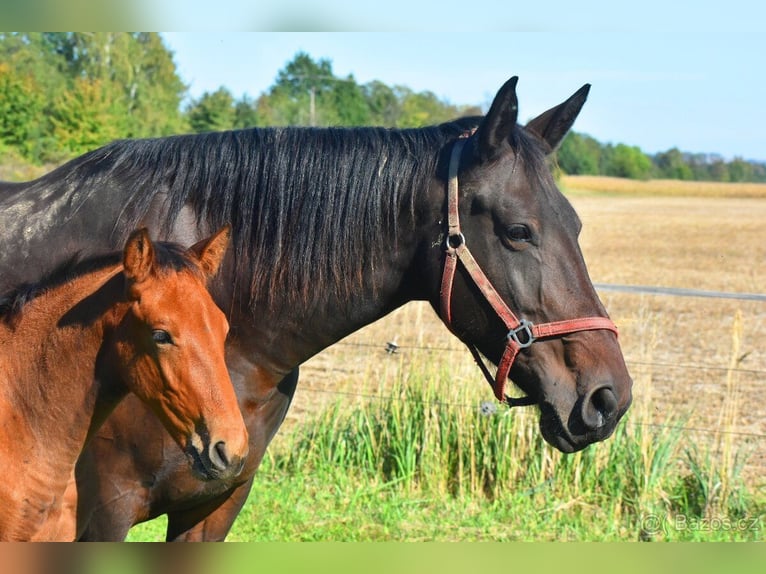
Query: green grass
x=423 y=463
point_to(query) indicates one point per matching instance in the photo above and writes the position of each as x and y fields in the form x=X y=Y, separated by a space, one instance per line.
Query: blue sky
x=671 y=74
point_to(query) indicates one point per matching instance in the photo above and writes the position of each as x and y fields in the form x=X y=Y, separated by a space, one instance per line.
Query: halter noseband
x=521 y=333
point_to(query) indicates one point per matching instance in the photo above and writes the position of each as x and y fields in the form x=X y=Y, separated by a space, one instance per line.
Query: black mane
x=306 y=205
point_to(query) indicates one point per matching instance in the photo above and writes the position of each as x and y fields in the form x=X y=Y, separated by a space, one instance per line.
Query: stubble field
x=697 y=360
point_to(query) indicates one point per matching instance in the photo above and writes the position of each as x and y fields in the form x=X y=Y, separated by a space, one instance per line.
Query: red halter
x=521 y=333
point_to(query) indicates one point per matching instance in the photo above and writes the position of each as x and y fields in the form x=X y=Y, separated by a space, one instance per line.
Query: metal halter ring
x=525 y=330
x=454 y=241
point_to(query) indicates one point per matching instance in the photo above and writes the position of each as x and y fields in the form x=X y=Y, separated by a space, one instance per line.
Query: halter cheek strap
x=521 y=333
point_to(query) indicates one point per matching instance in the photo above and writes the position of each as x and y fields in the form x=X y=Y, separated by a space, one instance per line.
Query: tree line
x=581 y=154
x=64 y=93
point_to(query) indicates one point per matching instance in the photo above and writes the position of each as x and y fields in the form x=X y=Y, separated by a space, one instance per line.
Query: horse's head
x=170 y=349
x=521 y=232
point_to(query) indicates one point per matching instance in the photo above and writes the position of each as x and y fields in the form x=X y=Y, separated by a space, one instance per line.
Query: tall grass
x=420 y=458
x=382 y=469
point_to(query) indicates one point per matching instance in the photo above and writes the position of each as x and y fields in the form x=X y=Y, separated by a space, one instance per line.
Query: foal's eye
x=161 y=337
x=519 y=233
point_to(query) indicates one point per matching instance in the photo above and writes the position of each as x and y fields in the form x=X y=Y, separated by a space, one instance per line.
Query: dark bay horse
x=333 y=229
x=74 y=344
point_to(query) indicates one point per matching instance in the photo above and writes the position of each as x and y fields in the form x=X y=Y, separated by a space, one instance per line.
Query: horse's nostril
x=599 y=407
x=218 y=455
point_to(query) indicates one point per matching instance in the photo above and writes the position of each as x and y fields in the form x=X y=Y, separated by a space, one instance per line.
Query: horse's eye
x=519 y=233
x=161 y=337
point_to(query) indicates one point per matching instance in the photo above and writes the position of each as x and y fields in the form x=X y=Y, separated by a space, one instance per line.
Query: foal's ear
x=553 y=125
x=138 y=256
x=499 y=122
x=210 y=252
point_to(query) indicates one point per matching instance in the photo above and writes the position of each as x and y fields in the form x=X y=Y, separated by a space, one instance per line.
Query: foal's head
x=169 y=350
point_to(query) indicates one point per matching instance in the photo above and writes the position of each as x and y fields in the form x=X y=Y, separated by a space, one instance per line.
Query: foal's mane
x=168 y=256
x=310 y=208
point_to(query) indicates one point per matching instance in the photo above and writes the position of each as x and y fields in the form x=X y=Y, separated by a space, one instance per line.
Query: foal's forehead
x=176 y=292
x=180 y=298
x=184 y=283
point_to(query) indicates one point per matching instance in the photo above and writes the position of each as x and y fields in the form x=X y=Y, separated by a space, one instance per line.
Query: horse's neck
x=280 y=339
x=51 y=390
x=35 y=224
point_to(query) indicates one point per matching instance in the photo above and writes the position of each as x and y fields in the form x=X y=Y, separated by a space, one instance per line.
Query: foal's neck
x=53 y=377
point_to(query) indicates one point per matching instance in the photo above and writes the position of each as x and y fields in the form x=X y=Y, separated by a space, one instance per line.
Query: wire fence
x=756 y=377
x=391 y=348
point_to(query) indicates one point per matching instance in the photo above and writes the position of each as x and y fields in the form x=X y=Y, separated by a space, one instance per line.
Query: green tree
x=212 y=111
x=307 y=93
x=140 y=70
x=301 y=88
x=716 y=170
x=273 y=109
x=31 y=54
x=33 y=79
x=130 y=79
x=422 y=108
x=384 y=107
x=20 y=108
x=85 y=117
x=673 y=165
x=348 y=101
x=740 y=170
x=245 y=113
x=579 y=154
x=628 y=161
x=155 y=89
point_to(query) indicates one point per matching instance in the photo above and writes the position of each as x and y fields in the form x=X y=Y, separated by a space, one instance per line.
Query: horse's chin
x=554 y=432
x=559 y=440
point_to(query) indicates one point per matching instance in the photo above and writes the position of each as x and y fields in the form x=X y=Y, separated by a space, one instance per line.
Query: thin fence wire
x=392 y=348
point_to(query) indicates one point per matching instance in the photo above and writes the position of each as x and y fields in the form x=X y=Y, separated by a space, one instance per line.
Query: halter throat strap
x=521 y=333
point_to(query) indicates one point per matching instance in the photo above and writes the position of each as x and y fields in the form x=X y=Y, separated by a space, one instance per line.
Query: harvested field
x=697 y=362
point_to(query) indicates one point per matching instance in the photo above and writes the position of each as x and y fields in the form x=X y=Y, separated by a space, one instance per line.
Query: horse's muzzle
x=592 y=418
x=214 y=461
x=598 y=408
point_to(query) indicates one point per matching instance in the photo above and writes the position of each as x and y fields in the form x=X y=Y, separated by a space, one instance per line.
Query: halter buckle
x=522 y=335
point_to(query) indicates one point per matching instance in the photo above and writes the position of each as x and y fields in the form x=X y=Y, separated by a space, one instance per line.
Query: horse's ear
x=553 y=125
x=210 y=251
x=138 y=256
x=500 y=120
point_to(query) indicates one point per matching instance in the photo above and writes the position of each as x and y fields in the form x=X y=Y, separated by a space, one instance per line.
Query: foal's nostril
x=219 y=458
x=599 y=407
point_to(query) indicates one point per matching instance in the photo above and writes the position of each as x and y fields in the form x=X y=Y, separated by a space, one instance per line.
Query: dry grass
x=712 y=243
x=588 y=184
x=680 y=350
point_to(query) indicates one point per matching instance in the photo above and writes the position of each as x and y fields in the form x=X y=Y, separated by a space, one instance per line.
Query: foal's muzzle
x=214 y=460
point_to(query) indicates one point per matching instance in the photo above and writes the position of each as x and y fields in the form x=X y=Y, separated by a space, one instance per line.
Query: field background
x=698 y=418
x=699 y=235
x=693 y=446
